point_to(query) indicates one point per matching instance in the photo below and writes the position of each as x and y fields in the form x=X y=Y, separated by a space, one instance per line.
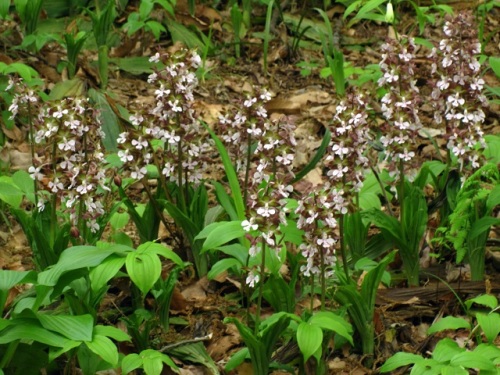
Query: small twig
x=185 y=342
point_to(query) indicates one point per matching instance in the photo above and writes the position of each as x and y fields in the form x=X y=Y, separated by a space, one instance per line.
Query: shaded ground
x=403 y=315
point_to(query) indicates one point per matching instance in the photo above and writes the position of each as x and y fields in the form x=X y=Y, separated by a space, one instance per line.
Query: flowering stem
x=311 y=294
x=343 y=251
x=161 y=177
x=80 y=225
x=261 y=285
x=182 y=199
x=247 y=169
x=32 y=147
x=401 y=189
x=323 y=280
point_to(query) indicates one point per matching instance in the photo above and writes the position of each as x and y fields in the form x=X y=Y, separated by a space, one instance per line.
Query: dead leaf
x=14 y=133
x=197 y=291
x=19 y=160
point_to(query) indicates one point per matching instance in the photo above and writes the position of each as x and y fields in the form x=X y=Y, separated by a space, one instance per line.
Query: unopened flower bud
x=74 y=232
x=389 y=13
x=117 y=180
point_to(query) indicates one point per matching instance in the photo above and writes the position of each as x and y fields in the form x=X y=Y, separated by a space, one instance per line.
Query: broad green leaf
x=168 y=6
x=472 y=360
x=195 y=353
x=77 y=257
x=429 y=366
x=484 y=299
x=145 y=8
x=399 y=360
x=222 y=234
x=445 y=349
x=495 y=65
x=119 y=220
x=181 y=33
x=237 y=359
x=490 y=324
x=160 y=249
x=144 y=269
x=369 y=200
x=10 y=193
x=131 y=362
x=25 y=72
x=25 y=183
x=491 y=352
x=9 y=279
x=74 y=327
x=100 y=275
x=70 y=88
x=156 y=28
x=31 y=330
x=4 y=323
x=151 y=363
x=329 y=321
x=309 y=339
x=56 y=352
x=223 y=265
x=236 y=251
x=110 y=331
x=449 y=322
x=104 y=348
x=109 y=120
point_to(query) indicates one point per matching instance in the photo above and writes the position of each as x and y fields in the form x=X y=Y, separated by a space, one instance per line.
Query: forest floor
x=402 y=315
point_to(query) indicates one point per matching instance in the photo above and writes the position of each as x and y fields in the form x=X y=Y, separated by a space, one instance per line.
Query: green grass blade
x=232 y=177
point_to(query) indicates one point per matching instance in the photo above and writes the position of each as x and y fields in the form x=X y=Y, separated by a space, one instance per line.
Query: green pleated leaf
x=100 y=275
x=490 y=324
x=24 y=182
x=144 y=269
x=110 y=331
x=329 y=321
x=157 y=248
x=399 y=360
x=222 y=234
x=131 y=362
x=30 y=330
x=485 y=299
x=309 y=339
x=9 y=278
x=449 y=322
x=445 y=349
x=472 y=360
x=152 y=362
x=77 y=257
x=104 y=348
x=74 y=327
x=221 y=266
x=9 y=192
